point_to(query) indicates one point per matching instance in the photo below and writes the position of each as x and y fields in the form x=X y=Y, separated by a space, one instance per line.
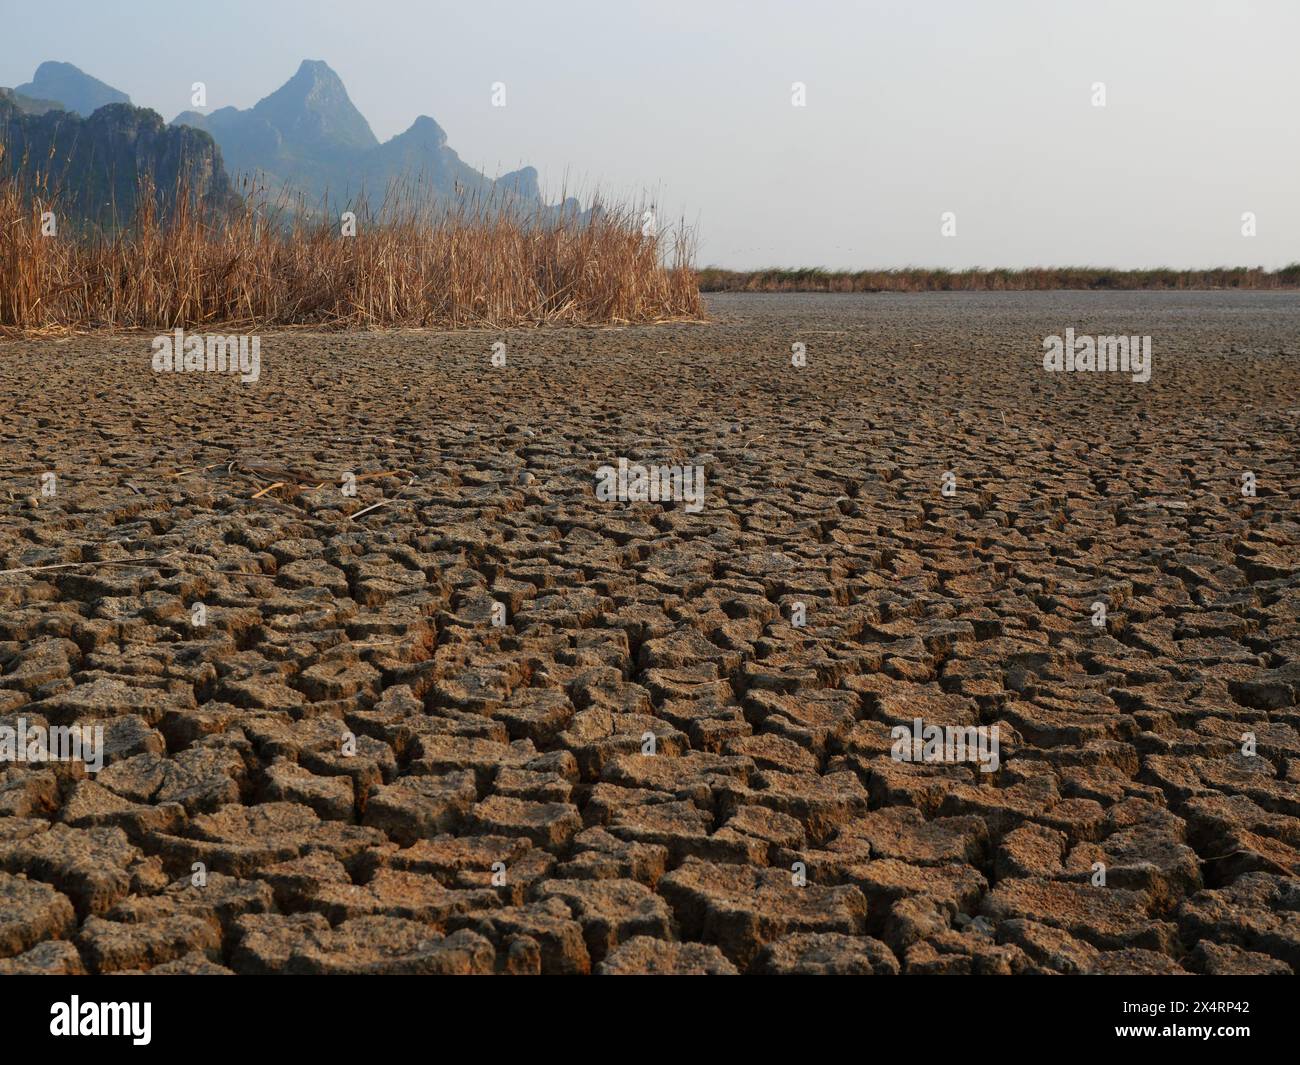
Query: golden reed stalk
x=477 y=264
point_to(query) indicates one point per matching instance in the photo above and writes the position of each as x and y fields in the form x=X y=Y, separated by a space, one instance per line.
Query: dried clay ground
x=375 y=777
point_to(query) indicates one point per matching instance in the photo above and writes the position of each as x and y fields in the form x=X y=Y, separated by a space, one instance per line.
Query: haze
x=913 y=109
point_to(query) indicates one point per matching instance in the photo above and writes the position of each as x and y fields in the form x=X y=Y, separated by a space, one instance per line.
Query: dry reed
x=914 y=279
x=417 y=263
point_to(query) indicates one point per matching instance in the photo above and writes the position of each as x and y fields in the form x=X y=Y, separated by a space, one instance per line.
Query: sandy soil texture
x=416 y=739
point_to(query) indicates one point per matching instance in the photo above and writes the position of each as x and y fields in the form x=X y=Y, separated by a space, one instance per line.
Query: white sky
x=913 y=109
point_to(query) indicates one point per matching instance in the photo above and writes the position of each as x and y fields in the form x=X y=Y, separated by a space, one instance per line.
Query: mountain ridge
x=93 y=166
x=306 y=138
x=309 y=137
x=72 y=87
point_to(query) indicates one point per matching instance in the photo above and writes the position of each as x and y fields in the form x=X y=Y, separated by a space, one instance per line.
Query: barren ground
x=375 y=777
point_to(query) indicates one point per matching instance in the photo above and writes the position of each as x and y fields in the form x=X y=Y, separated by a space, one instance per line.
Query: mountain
x=308 y=136
x=420 y=154
x=93 y=164
x=27 y=105
x=312 y=111
x=73 y=88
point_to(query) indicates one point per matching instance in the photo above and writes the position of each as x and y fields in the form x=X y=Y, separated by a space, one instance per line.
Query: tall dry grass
x=713 y=279
x=416 y=263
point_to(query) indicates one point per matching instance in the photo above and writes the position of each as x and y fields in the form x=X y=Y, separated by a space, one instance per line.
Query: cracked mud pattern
x=377 y=778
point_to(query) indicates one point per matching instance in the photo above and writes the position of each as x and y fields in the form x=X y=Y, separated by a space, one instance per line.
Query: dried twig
x=105 y=562
x=367 y=510
x=1283 y=870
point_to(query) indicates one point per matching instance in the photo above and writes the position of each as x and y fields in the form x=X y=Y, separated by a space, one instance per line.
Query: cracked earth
x=374 y=769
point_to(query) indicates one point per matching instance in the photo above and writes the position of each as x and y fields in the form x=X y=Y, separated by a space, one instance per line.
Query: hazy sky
x=913 y=109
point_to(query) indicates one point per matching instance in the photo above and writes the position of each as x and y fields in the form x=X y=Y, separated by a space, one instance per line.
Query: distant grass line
x=714 y=279
x=476 y=265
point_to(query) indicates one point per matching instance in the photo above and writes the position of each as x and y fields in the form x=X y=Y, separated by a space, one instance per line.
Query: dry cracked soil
x=327 y=748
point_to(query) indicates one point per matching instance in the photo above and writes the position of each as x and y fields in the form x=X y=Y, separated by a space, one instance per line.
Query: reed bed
x=713 y=279
x=416 y=263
